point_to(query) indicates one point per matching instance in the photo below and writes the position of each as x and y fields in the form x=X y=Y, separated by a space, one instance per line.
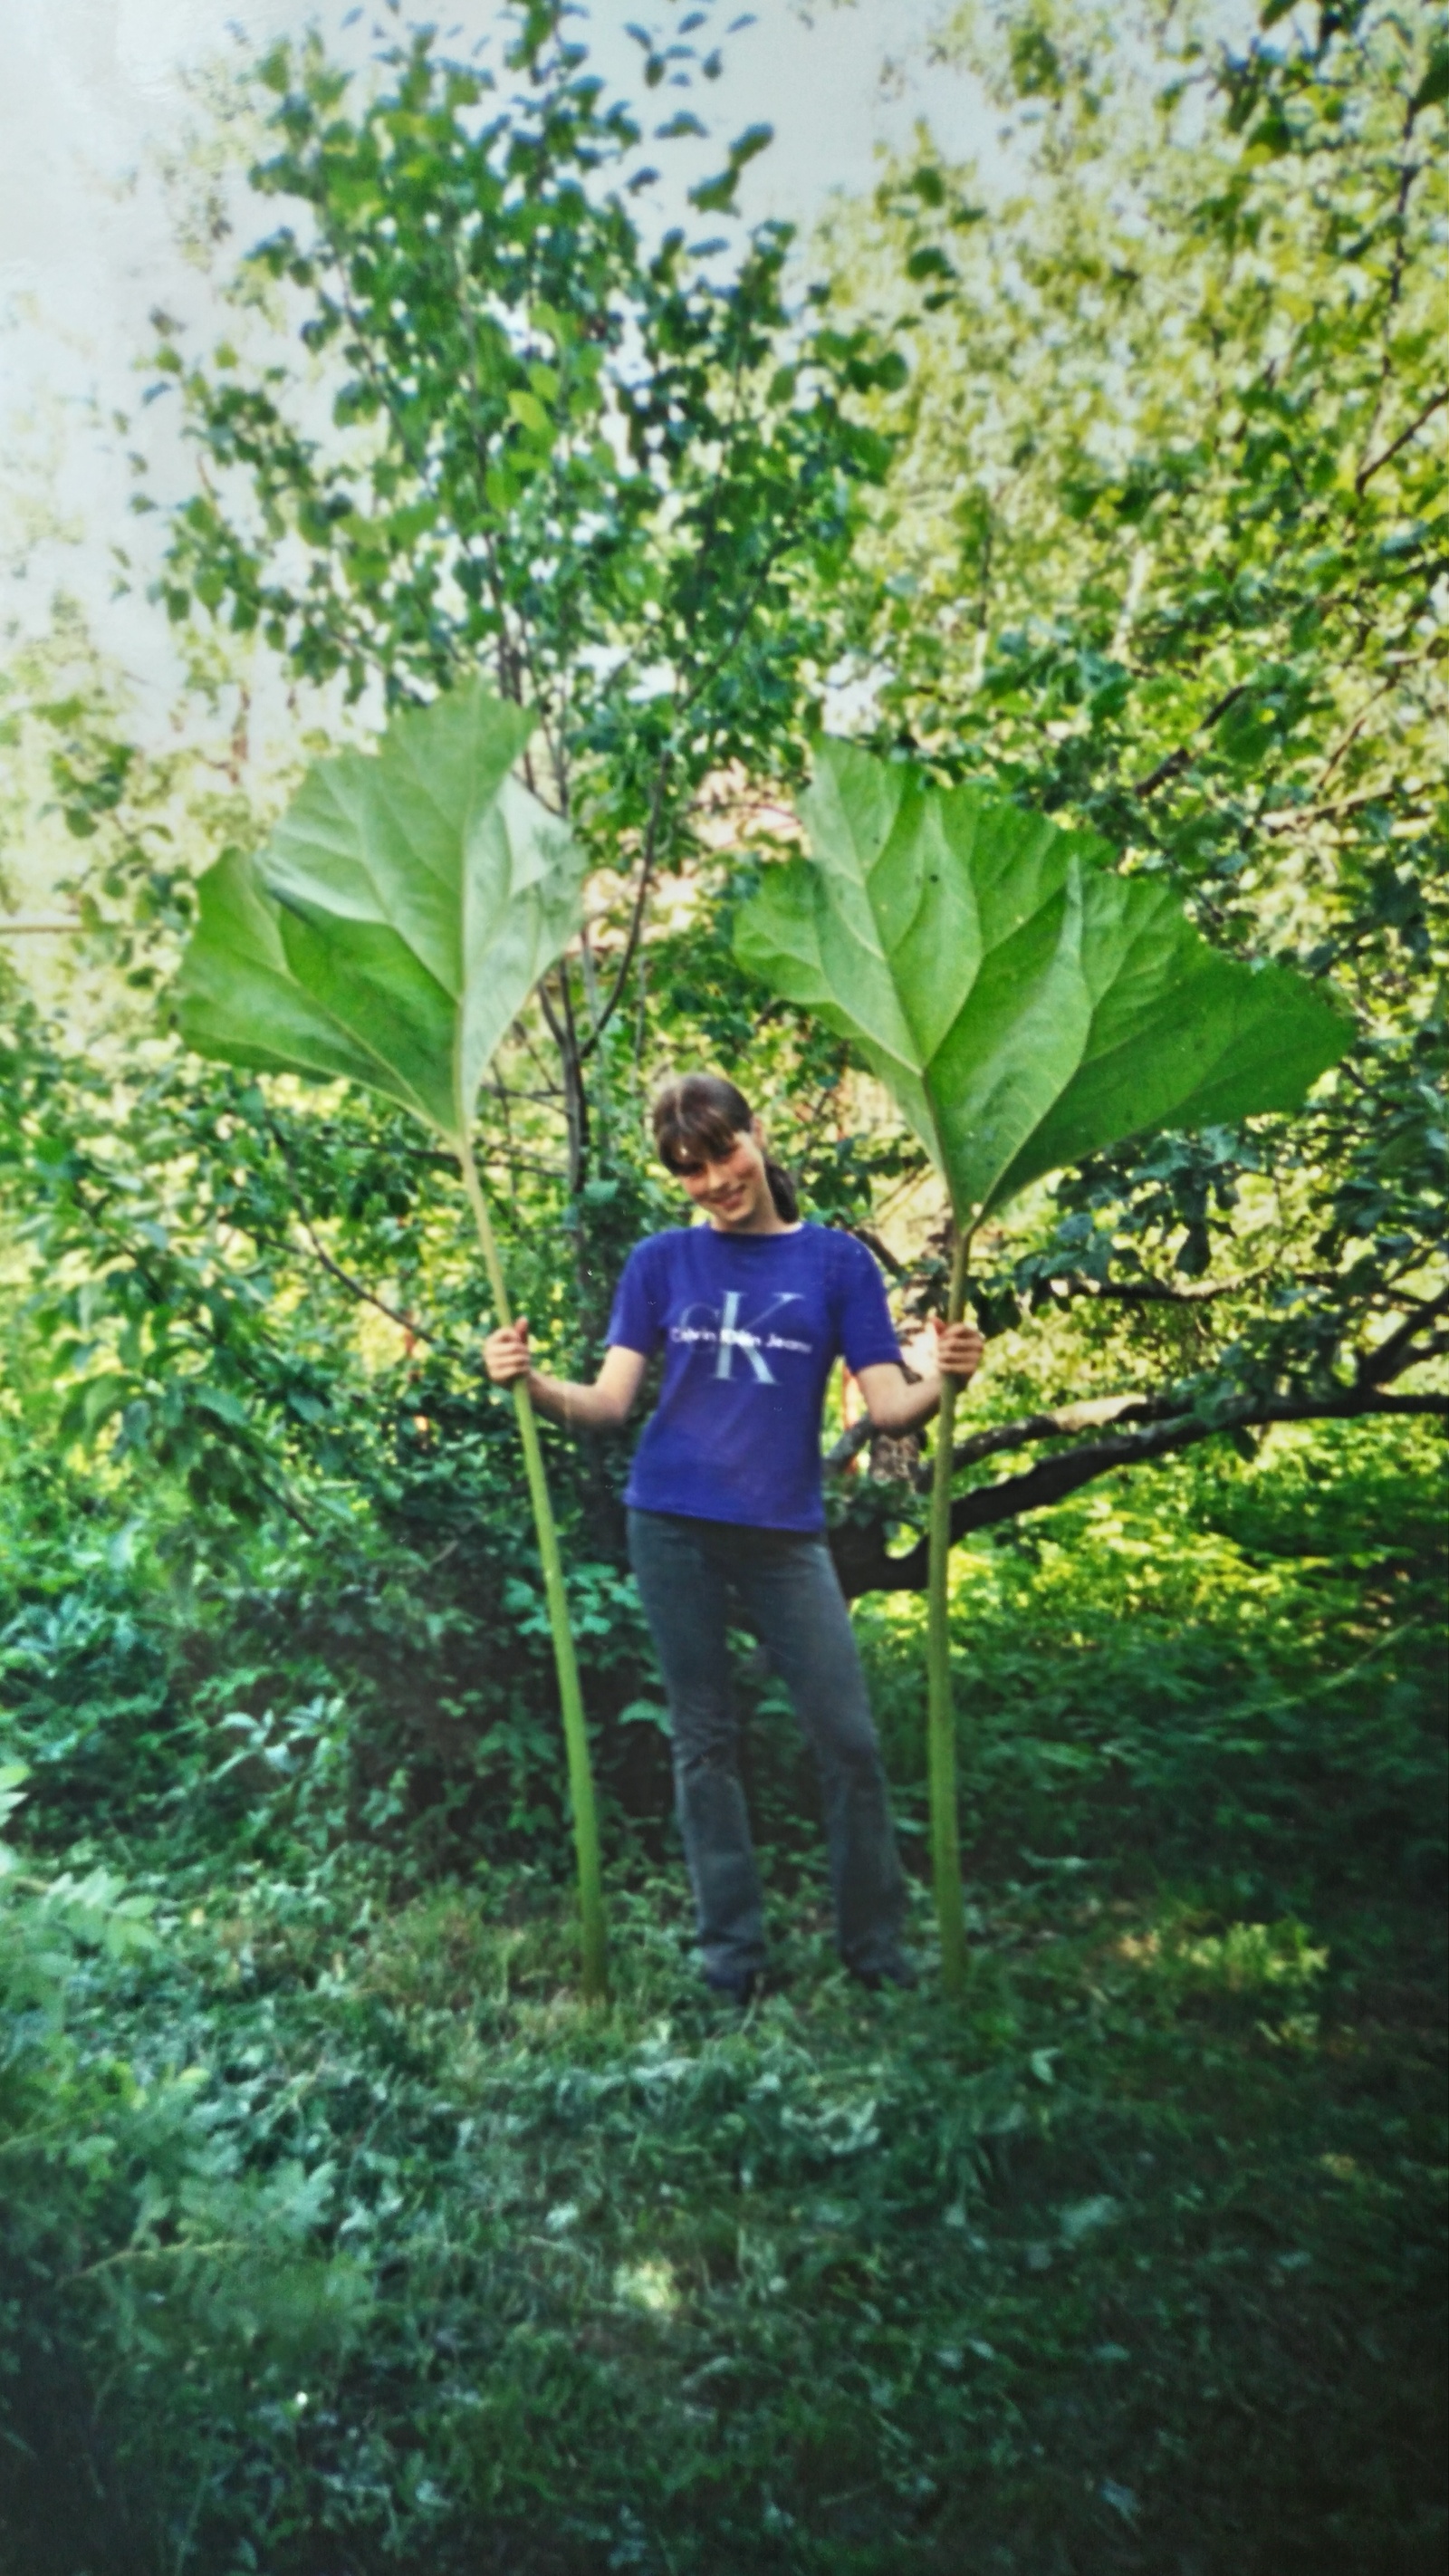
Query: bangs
x=699 y=1119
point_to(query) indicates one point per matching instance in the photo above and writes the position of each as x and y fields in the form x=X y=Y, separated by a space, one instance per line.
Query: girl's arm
x=600 y=1407
x=894 y=1404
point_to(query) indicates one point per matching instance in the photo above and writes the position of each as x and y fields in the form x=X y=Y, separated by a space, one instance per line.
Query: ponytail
x=703 y=1114
x=782 y=1191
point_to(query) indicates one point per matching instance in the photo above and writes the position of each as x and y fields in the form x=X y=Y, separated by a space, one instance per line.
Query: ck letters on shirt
x=725 y=1332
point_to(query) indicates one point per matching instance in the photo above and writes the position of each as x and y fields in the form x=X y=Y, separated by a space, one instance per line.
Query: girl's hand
x=505 y=1353
x=959 y=1350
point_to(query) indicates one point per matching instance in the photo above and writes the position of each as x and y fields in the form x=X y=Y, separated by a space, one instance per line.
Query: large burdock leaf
x=396 y=922
x=1025 y=1005
x=389 y=933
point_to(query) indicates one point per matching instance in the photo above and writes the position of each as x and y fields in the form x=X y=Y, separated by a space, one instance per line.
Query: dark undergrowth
x=339 y=2238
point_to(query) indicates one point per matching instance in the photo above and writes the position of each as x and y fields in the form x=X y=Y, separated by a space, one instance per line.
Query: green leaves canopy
x=1024 y=1005
x=397 y=920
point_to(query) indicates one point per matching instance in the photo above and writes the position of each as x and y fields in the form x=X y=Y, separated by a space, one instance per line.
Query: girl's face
x=733 y=1189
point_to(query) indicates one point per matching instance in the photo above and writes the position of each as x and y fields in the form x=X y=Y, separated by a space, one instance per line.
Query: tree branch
x=1179 y=759
x=1366 y=473
x=368 y=1296
x=1069 y=1417
x=555 y=1024
x=636 y=918
x=1390 y=1357
x=888 y=1260
x=1087 y=1416
x=1286 y=818
x=860 y=1553
x=344 y=1278
x=1157 y=1292
x=1092 y=1415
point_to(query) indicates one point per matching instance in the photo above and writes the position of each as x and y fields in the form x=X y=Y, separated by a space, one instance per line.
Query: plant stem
x=576 y=1741
x=941 y=1721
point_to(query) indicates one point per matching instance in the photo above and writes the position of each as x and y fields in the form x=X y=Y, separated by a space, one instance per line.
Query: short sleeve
x=863 y=1319
x=635 y=1321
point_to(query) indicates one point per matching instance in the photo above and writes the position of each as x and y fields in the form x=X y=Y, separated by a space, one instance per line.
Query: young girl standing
x=751 y=1310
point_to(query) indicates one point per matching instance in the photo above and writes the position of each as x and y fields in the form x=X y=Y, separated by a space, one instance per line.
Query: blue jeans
x=787 y=1588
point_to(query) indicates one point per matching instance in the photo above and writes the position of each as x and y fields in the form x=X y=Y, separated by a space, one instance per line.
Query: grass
x=365 y=2245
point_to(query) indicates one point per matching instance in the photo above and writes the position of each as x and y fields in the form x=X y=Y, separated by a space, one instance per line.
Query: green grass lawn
x=344 y=2239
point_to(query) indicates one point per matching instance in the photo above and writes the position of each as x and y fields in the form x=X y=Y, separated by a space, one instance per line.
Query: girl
x=751 y=1310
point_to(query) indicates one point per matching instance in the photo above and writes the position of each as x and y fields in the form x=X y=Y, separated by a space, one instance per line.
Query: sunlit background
x=103 y=106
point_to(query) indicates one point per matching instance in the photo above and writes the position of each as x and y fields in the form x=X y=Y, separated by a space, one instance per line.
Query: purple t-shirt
x=750 y=1326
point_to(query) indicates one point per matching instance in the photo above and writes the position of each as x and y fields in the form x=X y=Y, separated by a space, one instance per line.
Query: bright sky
x=91 y=89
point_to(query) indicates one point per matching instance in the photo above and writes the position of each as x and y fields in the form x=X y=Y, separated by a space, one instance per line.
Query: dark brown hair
x=702 y=1115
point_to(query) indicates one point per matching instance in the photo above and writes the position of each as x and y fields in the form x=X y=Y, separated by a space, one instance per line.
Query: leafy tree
x=1112 y=609
x=266 y=1311
x=241 y=1320
x=515 y=431
x=1163 y=552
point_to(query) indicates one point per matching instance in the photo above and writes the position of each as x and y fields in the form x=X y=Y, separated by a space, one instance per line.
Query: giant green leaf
x=389 y=933
x=394 y=925
x=1024 y=1003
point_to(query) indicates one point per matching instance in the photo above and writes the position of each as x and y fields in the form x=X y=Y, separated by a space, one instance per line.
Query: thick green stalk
x=941 y=1720
x=576 y=1742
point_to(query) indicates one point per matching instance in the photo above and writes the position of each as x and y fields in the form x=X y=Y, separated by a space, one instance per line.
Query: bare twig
x=1286 y=818
x=355 y=1287
x=1386 y=455
x=636 y=919
x=366 y=1296
x=1347 y=740
x=551 y=1090
x=1157 y=1292
x=1179 y=759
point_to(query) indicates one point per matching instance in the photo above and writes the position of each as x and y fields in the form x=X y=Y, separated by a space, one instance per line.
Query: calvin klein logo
x=729 y=1334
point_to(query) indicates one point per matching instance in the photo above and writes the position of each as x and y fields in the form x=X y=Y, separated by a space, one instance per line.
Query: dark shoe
x=899 y=1971
x=740 y=1991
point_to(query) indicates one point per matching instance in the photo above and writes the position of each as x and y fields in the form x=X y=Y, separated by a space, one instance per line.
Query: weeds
x=341 y=2237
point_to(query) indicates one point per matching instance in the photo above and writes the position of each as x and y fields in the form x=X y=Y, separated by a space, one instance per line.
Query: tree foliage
x=1163 y=553
x=1114 y=456
x=621 y=470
